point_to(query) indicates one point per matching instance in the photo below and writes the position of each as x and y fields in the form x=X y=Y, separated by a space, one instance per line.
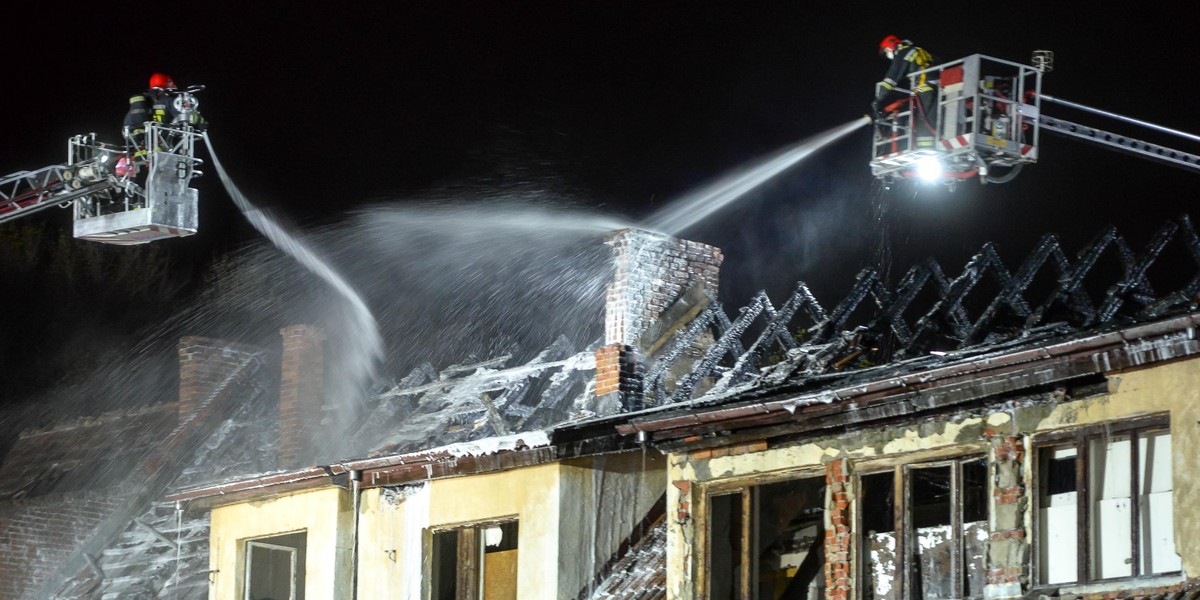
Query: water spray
x=692 y=208
x=367 y=343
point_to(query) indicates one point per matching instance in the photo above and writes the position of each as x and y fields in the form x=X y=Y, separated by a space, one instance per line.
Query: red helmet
x=158 y=80
x=889 y=44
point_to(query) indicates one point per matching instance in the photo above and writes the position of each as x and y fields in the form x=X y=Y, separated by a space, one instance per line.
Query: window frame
x=902 y=520
x=1079 y=438
x=743 y=487
x=262 y=541
x=477 y=553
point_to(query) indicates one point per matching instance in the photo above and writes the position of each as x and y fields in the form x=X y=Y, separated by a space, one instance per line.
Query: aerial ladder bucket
x=981 y=119
x=165 y=207
x=986 y=119
x=119 y=196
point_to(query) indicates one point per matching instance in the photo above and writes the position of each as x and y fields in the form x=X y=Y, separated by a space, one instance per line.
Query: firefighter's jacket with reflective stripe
x=908 y=60
x=152 y=105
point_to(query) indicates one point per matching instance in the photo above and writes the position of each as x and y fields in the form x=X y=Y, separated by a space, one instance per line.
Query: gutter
x=522 y=449
x=301 y=479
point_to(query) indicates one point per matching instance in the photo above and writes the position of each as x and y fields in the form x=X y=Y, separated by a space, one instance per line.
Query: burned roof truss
x=1048 y=292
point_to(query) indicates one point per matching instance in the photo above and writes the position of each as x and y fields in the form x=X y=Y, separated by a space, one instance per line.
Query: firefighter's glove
x=874 y=114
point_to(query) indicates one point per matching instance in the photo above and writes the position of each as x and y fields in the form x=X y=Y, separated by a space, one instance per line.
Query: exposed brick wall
x=731 y=450
x=838 y=530
x=1008 y=546
x=608 y=369
x=301 y=392
x=36 y=535
x=651 y=271
x=203 y=364
x=620 y=369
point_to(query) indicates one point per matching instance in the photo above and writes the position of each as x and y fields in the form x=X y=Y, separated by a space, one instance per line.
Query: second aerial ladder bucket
x=982 y=120
x=988 y=122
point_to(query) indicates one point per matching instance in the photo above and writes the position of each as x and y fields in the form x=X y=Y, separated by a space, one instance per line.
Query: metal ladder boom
x=1121 y=143
x=27 y=192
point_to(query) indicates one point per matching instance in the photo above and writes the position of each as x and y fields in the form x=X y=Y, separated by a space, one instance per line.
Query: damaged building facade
x=999 y=433
x=1063 y=471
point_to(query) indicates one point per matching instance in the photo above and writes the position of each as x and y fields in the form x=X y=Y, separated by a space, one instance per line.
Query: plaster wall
x=325 y=515
x=604 y=498
x=572 y=518
x=392 y=528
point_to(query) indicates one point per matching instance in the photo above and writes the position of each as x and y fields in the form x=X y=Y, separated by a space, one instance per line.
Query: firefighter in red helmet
x=906 y=58
x=162 y=102
x=161 y=82
x=159 y=104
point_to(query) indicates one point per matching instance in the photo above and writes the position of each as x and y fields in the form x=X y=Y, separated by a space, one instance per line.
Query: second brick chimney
x=301 y=393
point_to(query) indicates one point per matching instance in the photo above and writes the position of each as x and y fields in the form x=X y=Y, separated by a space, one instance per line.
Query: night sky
x=318 y=108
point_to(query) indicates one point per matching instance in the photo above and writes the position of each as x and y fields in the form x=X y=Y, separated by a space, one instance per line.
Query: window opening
x=725 y=546
x=790 y=539
x=976 y=500
x=1157 y=540
x=1110 y=503
x=476 y=562
x=767 y=541
x=275 y=567
x=1058 y=514
x=940 y=552
x=1105 y=505
x=877 y=498
x=932 y=571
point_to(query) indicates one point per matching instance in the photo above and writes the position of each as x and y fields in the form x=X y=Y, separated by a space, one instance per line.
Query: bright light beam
x=929 y=169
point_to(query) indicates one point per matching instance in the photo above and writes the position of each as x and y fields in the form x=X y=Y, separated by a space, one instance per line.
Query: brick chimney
x=204 y=364
x=301 y=393
x=652 y=272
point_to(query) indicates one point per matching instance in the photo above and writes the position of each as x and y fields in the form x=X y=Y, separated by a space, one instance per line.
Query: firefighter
x=907 y=58
x=162 y=103
x=153 y=104
x=159 y=104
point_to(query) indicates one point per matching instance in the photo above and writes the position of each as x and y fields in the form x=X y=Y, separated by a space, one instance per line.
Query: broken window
x=476 y=562
x=942 y=514
x=1105 y=503
x=877 y=544
x=767 y=541
x=275 y=567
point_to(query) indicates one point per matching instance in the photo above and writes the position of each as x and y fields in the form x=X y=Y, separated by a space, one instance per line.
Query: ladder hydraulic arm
x=27 y=192
x=1119 y=142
